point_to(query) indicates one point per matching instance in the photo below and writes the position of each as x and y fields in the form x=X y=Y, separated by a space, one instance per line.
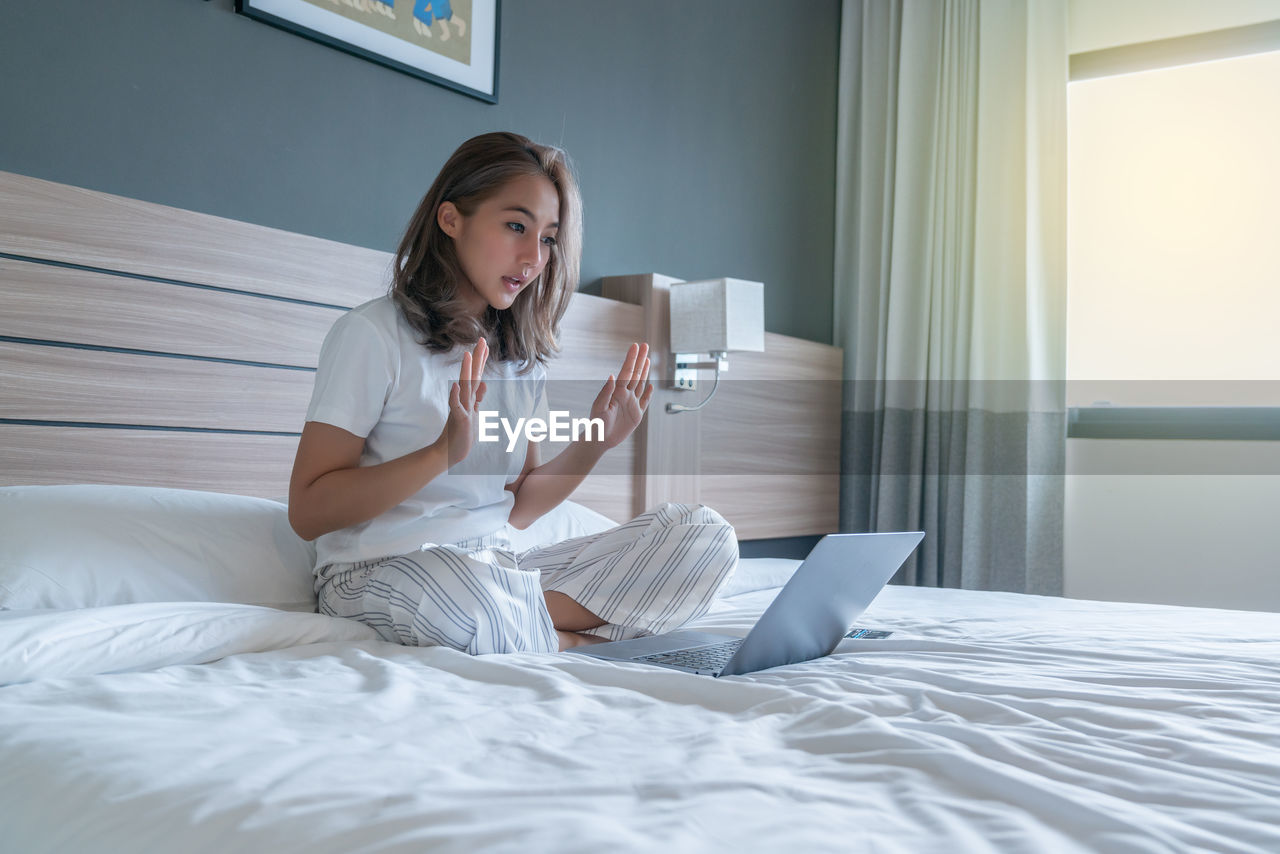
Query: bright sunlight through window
x=1174 y=234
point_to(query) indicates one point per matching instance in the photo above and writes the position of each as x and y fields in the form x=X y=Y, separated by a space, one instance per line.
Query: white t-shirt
x=375 y=380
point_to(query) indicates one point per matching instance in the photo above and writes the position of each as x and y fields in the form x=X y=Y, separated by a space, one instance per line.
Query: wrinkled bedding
x=986 y=722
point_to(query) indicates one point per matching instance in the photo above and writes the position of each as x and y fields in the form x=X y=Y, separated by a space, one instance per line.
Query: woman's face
x=506 y=241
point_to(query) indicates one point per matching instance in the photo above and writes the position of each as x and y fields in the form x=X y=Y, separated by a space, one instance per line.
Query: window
x=1173 y=308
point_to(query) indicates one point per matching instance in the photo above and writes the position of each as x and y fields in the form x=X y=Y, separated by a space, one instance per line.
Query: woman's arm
x=330 y=490
x=541 y=488
x=620 y=406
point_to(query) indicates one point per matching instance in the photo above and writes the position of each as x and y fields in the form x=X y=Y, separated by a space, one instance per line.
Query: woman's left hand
x=622 y=401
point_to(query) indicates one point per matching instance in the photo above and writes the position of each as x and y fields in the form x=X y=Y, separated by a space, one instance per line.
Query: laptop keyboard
x=716 y=656
x=713 y=657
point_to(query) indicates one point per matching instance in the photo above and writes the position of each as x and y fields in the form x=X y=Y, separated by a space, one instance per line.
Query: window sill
x=1247 y=423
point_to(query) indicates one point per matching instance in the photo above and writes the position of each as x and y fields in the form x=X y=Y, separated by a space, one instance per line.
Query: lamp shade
x=717 y=314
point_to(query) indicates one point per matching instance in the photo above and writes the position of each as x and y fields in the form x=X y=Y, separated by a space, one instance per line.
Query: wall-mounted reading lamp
x=712 y=318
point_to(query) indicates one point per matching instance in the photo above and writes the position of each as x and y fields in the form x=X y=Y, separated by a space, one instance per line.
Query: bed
x=167 y=684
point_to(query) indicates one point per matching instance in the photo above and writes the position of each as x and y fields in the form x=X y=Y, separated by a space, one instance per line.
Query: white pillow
x=759 y=573
x=88 y=545
x=564 y=522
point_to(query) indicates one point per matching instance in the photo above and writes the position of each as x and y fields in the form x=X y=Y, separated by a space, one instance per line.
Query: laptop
x=810 y=615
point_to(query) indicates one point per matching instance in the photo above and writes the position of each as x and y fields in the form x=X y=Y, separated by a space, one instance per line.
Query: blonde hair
x=427 y=275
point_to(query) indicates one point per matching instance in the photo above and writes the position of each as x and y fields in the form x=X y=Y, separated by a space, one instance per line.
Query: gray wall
x=703 y=130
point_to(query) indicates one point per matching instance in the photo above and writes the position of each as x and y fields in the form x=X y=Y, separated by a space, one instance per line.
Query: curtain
x=950 y=277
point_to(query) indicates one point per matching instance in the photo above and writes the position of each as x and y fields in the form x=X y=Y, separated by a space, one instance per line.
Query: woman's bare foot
x=572 y=639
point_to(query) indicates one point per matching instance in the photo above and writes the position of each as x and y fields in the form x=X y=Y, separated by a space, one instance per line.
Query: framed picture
x=453 y=43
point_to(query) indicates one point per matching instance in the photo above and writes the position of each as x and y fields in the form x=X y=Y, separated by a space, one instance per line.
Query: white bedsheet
x=987 y=722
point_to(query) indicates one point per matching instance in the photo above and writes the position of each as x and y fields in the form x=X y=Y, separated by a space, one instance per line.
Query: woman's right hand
x=464 y=402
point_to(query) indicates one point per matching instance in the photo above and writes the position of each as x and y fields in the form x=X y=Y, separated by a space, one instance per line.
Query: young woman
x=406 y=507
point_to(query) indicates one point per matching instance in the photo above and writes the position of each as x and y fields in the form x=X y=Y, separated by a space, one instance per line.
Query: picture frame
x=452 y=43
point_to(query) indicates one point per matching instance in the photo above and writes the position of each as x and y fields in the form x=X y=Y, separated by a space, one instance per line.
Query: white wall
x=1170 y=522
x=1177 y=539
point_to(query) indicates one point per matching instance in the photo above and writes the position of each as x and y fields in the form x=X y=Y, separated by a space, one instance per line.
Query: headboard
x=144 y=344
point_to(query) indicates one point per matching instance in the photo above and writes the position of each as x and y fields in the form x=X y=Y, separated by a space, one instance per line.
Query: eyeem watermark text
x=561 y=428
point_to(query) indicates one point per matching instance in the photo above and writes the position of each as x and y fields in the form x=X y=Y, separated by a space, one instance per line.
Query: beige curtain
x=950 y=283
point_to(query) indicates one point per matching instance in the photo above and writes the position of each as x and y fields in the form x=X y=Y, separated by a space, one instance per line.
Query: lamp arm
x=677 y=407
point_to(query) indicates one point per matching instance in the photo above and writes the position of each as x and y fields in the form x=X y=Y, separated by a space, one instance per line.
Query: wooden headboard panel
x=142 y=344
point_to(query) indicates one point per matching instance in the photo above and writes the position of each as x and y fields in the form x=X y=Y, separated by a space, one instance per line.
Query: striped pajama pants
x=648 y=576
